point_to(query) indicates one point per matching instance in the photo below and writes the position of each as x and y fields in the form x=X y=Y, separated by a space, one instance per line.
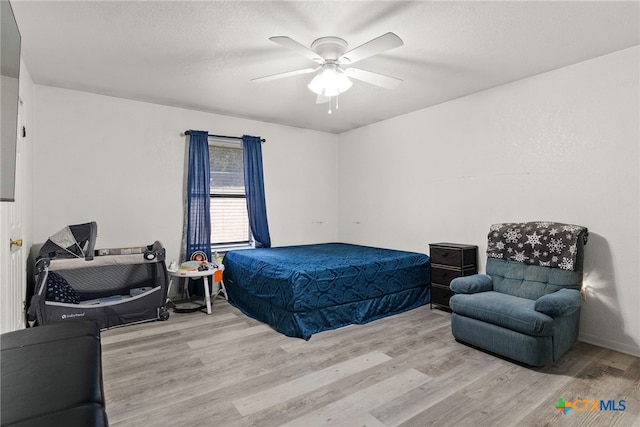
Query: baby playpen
x=112 y=287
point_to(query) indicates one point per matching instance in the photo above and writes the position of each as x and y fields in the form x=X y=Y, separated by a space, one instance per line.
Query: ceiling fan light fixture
x=330 y=53
x=330 y=81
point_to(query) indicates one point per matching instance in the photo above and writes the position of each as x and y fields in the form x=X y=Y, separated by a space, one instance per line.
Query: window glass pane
x=229 y=220
x=227 y=170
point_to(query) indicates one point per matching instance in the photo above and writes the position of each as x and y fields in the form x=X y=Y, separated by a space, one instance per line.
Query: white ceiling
x=202 y=55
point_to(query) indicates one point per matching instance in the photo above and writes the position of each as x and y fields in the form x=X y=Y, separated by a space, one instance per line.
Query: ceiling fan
x=334 y=64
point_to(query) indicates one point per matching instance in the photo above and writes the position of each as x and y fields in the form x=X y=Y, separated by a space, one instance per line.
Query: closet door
x=12 y=252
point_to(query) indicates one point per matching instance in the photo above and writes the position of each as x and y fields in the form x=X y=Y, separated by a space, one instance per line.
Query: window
x=229 y=217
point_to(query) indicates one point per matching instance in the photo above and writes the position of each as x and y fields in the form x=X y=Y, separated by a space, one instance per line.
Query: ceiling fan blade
x=283 y=75
x=289 y=43
x=378 y=45
x=376 y=79
x=321 y=99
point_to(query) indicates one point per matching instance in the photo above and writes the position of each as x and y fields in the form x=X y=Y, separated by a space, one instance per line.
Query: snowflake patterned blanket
x=548 y=244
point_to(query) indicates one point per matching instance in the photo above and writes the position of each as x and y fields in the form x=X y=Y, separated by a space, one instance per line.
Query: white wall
x=121 y=163
x=561 y=146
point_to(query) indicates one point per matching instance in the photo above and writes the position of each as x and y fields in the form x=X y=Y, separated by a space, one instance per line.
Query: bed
x=306 y=289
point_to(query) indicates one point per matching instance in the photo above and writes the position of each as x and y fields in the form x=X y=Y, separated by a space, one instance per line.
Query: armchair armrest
x=559 y=303
x=472 y=284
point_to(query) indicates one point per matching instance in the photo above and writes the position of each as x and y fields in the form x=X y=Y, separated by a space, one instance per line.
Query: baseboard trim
x=611 y=345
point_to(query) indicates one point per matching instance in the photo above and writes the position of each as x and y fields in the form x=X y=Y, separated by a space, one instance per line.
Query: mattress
x=301 y=290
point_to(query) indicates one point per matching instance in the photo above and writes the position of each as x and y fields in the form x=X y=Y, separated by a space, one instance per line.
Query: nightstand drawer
x=446 y=256
x=455 y=255
x=443 y=276
x=440 y=295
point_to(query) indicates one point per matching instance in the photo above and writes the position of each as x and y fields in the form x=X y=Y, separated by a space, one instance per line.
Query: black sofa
x=52 y=376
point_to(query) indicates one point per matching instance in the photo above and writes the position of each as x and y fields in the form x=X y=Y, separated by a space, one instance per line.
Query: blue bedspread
x=301 y=290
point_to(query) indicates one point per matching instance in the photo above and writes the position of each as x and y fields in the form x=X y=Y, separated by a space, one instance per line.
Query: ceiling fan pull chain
x=331 y=101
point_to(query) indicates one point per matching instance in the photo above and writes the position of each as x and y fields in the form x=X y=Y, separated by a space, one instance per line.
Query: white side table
x=216 y=272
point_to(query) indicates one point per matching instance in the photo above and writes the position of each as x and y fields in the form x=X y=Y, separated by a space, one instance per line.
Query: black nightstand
x=448 y=261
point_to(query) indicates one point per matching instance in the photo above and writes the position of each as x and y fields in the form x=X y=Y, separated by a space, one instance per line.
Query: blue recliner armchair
x=527 y=305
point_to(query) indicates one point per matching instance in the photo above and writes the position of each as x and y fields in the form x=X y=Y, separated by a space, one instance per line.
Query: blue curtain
x=198 y=214
x=254 y=187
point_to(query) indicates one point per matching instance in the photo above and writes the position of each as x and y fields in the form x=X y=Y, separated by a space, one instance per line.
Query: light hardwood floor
x=227 y=369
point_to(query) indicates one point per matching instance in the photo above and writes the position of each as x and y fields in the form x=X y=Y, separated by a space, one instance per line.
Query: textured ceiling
x=202 y=55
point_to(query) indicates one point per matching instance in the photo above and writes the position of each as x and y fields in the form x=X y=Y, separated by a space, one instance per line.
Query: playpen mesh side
x=106 y=280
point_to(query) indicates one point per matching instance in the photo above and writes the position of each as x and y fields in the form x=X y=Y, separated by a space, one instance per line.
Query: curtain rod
x=186 y=132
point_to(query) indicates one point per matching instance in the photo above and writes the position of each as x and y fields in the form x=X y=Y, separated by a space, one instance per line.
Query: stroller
x=112 y=287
